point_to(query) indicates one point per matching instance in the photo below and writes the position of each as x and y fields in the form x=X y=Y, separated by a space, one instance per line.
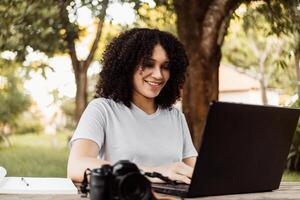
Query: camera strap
x=84 y=188
x=160 y=176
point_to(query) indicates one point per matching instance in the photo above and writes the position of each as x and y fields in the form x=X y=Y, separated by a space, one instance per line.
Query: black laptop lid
x=244 y=149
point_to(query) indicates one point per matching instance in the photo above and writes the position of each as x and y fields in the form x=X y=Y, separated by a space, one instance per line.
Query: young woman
x=132 y=117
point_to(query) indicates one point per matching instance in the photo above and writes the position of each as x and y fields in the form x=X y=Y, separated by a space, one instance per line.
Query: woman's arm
x=191 y=161
x=83 y=155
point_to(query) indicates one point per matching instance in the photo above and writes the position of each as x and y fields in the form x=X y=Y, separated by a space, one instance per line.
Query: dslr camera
x=122 y=181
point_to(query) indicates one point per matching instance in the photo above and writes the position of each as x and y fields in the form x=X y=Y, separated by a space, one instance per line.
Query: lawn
x=46 y=156
x=291 y=176
x=35 y=155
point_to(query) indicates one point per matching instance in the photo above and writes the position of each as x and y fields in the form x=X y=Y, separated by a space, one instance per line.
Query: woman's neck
x=146 y=104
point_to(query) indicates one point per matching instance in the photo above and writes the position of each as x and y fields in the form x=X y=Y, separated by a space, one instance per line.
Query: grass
x=35 y=155
x=291 y=176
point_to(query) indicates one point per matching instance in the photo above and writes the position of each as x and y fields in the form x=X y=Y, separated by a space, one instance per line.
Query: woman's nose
x=156 y=73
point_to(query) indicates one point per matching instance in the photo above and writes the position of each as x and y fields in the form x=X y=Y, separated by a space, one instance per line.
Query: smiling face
x=151 y=77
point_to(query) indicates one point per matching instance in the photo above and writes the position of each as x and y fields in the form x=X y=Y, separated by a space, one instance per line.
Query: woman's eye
x=166 y=66
x=148 y=65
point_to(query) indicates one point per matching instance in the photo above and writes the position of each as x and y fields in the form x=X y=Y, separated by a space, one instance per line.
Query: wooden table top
x=287 y=191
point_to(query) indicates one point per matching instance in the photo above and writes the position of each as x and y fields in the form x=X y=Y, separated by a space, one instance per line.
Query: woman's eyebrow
x=150 y=59
x=153 y=60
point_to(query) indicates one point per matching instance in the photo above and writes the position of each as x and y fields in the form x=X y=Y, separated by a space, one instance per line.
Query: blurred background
x=50 y=58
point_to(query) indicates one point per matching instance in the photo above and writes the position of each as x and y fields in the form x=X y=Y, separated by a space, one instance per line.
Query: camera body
x=122 y=181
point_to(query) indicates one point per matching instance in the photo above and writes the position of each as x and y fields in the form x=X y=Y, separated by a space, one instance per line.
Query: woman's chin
x=152 y=95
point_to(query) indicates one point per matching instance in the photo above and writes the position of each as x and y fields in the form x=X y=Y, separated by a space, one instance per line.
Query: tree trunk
x=263 y=87
x=264 y=75
x=81 y=90
x=201 y=27
x=297 y=65
x=80 y=67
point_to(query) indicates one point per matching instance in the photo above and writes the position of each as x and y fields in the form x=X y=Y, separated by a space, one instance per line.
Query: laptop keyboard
x=177 y=189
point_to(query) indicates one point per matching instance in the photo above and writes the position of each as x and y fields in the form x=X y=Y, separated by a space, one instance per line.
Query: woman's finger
x=180 y=178
x=184 y=169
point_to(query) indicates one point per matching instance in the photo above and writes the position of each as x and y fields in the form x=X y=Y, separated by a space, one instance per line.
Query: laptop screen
x=244 y=149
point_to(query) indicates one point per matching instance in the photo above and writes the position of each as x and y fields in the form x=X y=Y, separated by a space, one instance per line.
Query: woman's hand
x=178 y=171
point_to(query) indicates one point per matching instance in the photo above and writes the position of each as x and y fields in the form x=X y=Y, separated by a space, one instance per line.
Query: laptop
x=244 y=149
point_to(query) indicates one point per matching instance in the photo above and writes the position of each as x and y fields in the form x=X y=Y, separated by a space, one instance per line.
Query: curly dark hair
x=126 y=52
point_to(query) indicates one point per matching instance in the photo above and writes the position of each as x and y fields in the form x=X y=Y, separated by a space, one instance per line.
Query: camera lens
x=134 y=186
x=100 y=183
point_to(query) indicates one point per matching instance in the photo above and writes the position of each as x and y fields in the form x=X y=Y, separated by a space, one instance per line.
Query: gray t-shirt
x=129 y=133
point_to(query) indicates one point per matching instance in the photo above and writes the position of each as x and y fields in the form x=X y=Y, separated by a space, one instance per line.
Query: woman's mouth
x=153 y=83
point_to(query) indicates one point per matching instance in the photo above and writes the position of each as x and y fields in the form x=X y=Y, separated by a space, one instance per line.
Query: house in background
x=237 y=86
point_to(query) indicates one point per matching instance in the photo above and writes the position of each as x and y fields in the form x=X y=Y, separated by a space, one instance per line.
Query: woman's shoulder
x=105 y=103
x=173 y=111
x=100 y=100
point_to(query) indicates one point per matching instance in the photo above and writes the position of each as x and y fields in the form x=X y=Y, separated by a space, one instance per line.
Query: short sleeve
x=188 y=146
x=92 y=123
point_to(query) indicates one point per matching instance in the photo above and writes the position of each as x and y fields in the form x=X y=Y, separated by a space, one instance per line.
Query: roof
x=230 y=79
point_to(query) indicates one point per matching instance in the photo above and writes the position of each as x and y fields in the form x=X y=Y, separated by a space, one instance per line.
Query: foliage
x=251 y=44
x=282 y=15
x=50 y=27
x=161 y=16
x=284 y=19
x=109 y=31
x=30 y=23
x=28 y=122
x=34 y=155
x=67 y=106
x=13 y=100
x=39 y=23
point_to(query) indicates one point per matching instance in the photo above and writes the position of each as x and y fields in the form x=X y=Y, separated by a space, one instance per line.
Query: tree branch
x=253 y=45
x=98 y=34
x=69 y=36
x=214 y=24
